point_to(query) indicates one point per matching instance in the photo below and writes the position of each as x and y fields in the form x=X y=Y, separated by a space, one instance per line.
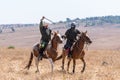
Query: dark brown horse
x=50 y=53
x=77 y=52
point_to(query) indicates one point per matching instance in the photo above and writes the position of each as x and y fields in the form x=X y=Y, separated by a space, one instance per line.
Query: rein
x=85 y=47
x=52 y=43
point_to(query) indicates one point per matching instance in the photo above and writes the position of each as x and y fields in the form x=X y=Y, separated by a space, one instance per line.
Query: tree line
x=95 y=21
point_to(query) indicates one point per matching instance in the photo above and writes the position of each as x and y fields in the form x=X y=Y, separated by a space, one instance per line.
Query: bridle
x=82 y=38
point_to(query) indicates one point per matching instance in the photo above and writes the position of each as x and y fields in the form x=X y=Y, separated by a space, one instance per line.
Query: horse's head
x=57 y=37
x=85 y=38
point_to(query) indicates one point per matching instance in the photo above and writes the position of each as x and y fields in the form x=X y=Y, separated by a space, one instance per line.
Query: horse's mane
x=77 y=42
x=52 y=41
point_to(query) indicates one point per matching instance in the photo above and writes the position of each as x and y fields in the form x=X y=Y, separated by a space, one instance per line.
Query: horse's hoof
x=62 y=68
x=73 y=72
x=37 y=71
x=82 y=71
x=67 y=72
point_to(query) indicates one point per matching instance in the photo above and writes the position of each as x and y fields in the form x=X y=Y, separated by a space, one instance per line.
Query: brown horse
x=77 y=52
x=50 y=52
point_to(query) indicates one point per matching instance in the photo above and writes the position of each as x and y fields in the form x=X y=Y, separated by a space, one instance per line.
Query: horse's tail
x=59 y=57
x=30 y=61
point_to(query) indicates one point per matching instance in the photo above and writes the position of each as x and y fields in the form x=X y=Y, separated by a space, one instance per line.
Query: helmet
x=73 y=24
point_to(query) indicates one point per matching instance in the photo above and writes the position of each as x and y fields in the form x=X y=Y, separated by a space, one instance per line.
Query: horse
x=50 y=53
x=77 y=52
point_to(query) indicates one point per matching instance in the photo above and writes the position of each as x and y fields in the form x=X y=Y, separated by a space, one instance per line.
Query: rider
x=71 y=35
x=45 y=37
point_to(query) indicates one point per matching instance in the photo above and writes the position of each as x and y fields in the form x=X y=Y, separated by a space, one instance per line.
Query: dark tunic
x=45 y=32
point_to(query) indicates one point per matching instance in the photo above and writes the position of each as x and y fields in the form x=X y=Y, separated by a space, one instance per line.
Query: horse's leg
x=51 y=62
x=74 y=63
x=63 y=58
x=36 y=63
x=84 y=64
x=63 y=61
x=68 y=64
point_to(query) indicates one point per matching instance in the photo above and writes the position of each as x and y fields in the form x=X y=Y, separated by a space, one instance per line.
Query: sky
x=31 y=11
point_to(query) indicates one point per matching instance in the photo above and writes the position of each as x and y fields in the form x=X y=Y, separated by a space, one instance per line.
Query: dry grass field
x=102 y=57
